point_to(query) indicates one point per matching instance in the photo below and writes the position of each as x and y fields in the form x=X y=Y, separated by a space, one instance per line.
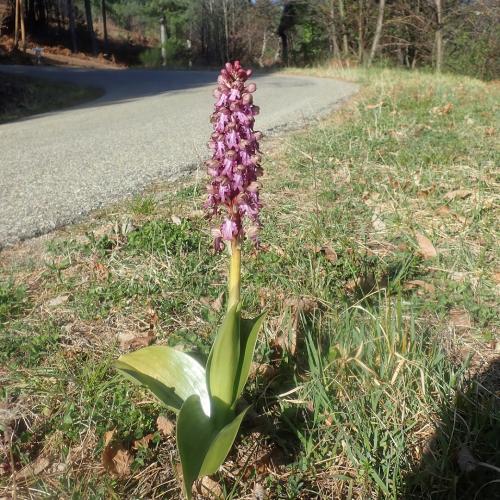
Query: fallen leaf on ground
x=116 y=459
x=100 y=270
x=377 y=223
x=496 y=277
x=428 y=287
x=466 y=461
x=153 y=317
x=143 y=442
x=374 y=106
x=39 y=465
x=58 y=301
x=426 y=248
x=329 y=253
x=289 y=339
x=132 y=340
x=165 y=425
x=176 y=220
x=208 y=488
x=218 y=302
x=259 y=492
x=261 y=370
x=460 y=318
x=442 y=110
x=443 y=211
x=457 y=193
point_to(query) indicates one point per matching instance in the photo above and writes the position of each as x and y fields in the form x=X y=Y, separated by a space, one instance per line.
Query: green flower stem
x=234 y=274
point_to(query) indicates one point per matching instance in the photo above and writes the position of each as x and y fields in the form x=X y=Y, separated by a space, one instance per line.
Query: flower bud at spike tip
x=233 y=192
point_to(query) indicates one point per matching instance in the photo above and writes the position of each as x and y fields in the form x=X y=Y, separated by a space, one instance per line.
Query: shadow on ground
x=462 y=458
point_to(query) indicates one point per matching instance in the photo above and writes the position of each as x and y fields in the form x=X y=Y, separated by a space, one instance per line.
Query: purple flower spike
x=235 y=164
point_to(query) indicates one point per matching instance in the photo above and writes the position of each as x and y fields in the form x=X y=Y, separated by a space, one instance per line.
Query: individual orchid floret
x=235 y=164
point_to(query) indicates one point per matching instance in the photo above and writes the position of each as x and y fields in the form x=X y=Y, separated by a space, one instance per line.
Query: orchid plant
x=205 y=398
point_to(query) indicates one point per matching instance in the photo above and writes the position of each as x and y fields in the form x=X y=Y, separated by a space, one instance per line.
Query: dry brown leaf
x=490 y=131
x=176 y=220
x=131 y=340
x=427 y=287
x=460 y=318
x=100 y=270
x=218 y=302
x=496 y=277
x=466 y=461
x=39 y=465
x=143 y=442
x=443 y=211
x=374 y=106
x=329 y=253
x=426 y=248
x=259 y=492
x=261 y=370
x=58 y=301
x=153 y=317
x=377 y=223
x=165 y=425
x=289 y=339
x=442 y=110
x=116 y=459
x=457 y=193
x=208 y=488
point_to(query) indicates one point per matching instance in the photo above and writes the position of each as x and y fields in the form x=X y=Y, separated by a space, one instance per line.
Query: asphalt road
x=148 y=126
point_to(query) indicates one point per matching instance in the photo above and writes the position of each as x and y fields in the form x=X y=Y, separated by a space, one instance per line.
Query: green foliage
x=12 y=300
x=163 y=237
x=206 y=425
x=170 y=375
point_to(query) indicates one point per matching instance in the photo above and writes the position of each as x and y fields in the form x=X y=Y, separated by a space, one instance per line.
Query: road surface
x=148 y=126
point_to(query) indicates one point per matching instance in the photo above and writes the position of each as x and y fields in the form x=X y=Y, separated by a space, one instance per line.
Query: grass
x=22 y=96
x=377 y=373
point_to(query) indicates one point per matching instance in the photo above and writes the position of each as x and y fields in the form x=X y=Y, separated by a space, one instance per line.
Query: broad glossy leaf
x=220 y=446
x=249 y=330
x=171 y=375
x=194 y=435
x=202 y=446
x=223 y=362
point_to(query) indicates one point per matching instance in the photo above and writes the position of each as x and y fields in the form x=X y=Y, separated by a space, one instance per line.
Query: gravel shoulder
x=149 y=126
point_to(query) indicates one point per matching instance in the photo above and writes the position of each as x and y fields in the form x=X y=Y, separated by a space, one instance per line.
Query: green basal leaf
x=220 y=446
x=203 y=446
x=194 y=435
x=171 y=375
x=249 y=330
x=223 y=362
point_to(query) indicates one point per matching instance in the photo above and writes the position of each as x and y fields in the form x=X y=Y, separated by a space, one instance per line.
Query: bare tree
x=90 y=26
x=345 y=42
x=439 y=35
x=378 y=31
x=72 y=27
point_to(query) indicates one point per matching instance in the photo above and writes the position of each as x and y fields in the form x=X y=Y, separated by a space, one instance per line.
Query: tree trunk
x=16 y=25
x=284 y=47
x=378 y=31
x=104 y=26
x=90 y=26
x=361 y=31
x=21 y=19
x=334 y=44
x=263 y=50
x=72 y=28
x=345 y=43
x=439 y=36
